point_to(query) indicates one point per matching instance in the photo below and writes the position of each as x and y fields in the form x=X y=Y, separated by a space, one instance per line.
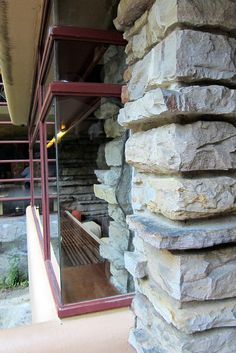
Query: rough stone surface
x=121 y=277
x=15 y=308
x=162 y=106
x=175 y=59
x=110 y=253
x=136 y=264
x=199 y=275
x=195 y=317
x=114 y=64
x=114 y=152
x=105 y=192
x=172 y=235
x=109 y=108
x=116 y=214
x=119 y=236
x=184 y=198
x=162 y=337
x=108 y=177
x=129 y=11
x=112 y=128
x=165 y=15
x=182 y=148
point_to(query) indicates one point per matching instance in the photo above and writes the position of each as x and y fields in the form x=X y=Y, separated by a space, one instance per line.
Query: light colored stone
x=112 y=128
x=114 y=152
x=107 y=251
x=161 y=106
x=121 y=277
x=193 y=318
x=94 y=228
x=182 y=148
x=136 y=264
x=184 y=198
x=108 y=177
x=129 y=11
x=195 y=276
x=175 y=59
x=167 y=14
x=164 y=338
x=116 y=214
x=109 y=108
x=114 y=65
x=178 y=235
x=119 y=236
x=105 y=192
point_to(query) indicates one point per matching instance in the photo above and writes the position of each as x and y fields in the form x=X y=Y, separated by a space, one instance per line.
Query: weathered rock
x=109 y=108
x=107 y=251
x=105 y=192
x=12 y=228
x=112 y=128
x=136 y=264
x=100 y=161
x=194 y=276
x=121 y=278
x=184 y=198
x=114 y=64
x=162 y=337
x=165 y=15
x=116 y=213
x=129 y=11
x=119 y=236
x=178 y=235
x=192 y=317
x=182 y=148
x=108 y=177
x=114 y=152
x=161 y=106
x=175 y=59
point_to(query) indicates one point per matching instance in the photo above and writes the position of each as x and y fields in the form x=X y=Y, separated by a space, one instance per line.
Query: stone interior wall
x=115 y=179
x=181 y=108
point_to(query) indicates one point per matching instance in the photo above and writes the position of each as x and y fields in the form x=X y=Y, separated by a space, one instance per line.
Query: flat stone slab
x=152 y=27
x=178 y=235
x=105 y=192
x=158 y=333
x=193 y=276
x=175 y=60
x=176 y=148
x=184 y=198
x=162 y=106
x=191 y=318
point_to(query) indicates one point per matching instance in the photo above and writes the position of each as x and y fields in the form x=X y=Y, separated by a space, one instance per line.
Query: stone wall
x=180 y=106
x=115 y=180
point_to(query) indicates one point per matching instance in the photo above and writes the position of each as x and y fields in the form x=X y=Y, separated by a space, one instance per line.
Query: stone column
x=181 y=107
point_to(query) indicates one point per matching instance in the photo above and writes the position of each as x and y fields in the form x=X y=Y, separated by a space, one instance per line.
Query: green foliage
x=15 y=277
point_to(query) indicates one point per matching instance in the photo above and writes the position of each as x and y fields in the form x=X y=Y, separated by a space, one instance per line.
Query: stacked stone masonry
x=181 y=109
x=114 y=176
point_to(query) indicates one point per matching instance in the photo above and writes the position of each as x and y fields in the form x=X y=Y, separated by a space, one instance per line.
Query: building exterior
x=166 y=210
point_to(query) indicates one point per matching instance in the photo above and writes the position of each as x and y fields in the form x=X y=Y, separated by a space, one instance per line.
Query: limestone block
x=119 y=236
x=121 y=277
x=178 y=148
x=129 y=11
x=195 y=276
x=116 y=214
x=114 y=65
x=161 y=106
x=164 y=15
x=175 y=59
x=114 y=152
x=109 y=108
x=136 y=264
x=191 y=318
x=162 y=337
x=184 y=198
x=178 y=235
x=108 y=177
x=105 y=192
x=112 y=128
x=107 y=251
